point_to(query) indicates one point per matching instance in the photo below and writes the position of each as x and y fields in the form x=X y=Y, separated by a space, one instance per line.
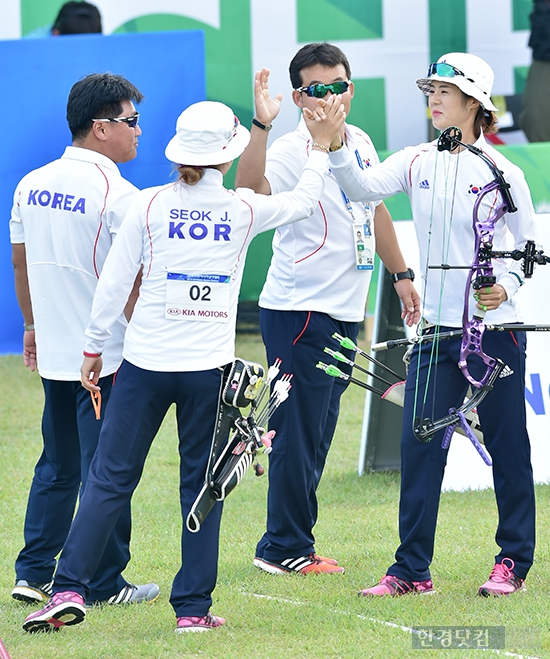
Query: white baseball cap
x=207 y=133
x=468 y=72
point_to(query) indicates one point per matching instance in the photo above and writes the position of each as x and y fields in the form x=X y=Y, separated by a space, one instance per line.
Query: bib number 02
x=200 y=293
x=202 y=297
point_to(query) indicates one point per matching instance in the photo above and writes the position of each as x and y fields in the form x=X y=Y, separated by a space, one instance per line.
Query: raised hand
x=326 y=121
x=267 y=108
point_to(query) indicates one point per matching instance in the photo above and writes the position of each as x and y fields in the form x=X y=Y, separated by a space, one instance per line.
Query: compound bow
x=481 y=275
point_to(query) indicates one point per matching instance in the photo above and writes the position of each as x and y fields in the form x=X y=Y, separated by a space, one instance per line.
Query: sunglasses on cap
x=320 y=91
x=131 y=121
x=444 y=70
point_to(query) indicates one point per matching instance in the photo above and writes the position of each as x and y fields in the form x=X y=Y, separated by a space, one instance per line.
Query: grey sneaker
x=130 y=594
x=32 y=592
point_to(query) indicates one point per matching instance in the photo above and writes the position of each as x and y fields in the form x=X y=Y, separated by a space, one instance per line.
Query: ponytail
x=485 y=121
x=190 y=174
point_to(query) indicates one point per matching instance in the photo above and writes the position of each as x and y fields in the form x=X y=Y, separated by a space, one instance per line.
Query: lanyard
x=362 y=236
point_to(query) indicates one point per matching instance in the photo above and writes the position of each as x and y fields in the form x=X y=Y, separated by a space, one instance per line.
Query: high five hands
x=326 y=121
x=267 y=108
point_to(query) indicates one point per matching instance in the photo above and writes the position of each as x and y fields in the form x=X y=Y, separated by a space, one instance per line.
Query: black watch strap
x=259 y=124
x=398 y=276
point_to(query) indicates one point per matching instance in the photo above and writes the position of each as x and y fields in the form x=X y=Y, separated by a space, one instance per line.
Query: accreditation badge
x=363 y=243
x=197 y=297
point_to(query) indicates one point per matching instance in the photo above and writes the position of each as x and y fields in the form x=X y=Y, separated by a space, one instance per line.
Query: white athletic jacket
x=442 y=188
x=192 y=242
x=67 y=214
x=313 y=266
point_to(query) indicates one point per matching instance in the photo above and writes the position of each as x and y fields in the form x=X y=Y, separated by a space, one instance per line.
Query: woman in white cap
x=191 y=238
x=443 y=187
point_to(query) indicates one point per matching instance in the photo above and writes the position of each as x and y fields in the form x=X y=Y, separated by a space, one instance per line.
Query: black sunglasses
x=131 y=121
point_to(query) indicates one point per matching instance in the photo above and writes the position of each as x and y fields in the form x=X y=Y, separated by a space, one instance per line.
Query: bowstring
x=447 y=220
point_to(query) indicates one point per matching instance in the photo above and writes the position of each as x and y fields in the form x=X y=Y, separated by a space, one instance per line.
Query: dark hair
x=77 y=18
x=486 y=121
x=98 y=96
x=311 y=54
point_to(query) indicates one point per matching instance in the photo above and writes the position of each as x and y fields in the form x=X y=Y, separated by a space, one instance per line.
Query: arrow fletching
x=345 y=342
x=339 y=356
x=332 y=370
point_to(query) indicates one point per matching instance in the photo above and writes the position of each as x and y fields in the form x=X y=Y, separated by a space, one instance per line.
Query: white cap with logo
x=207 y=133
x=468 y=72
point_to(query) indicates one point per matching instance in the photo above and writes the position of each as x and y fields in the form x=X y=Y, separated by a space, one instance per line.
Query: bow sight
x=449 y=140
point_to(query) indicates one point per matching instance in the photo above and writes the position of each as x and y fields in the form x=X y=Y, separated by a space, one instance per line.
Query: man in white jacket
x=64 y=219
x=317 y=284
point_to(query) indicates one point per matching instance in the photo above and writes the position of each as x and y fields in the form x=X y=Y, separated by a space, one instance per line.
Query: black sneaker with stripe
x=32 y=592
x=130 y=594
x=309 y=564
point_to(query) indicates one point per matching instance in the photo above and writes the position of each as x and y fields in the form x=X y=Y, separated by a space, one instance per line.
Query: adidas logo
x=424 y=185
x=506 y=371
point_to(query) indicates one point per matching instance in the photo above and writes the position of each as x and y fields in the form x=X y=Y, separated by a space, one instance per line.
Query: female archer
x=445 y=185
x=191 y=236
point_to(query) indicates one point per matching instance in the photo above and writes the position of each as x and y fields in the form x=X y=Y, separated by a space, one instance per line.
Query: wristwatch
x=259 y=124
x=398 y=276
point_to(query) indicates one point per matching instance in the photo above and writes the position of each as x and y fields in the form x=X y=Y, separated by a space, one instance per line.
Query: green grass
x=267 y=616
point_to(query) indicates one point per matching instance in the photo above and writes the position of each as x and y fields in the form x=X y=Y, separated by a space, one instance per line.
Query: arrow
x=350 y=345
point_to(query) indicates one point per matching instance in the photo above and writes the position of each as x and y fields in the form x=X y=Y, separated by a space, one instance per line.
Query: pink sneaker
x=65 y=608
x=395 y=586
x=197 y=624
x=502 y=580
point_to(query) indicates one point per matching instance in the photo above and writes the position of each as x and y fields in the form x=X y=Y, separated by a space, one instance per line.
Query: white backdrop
x=399 y=56
x=465 y=468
